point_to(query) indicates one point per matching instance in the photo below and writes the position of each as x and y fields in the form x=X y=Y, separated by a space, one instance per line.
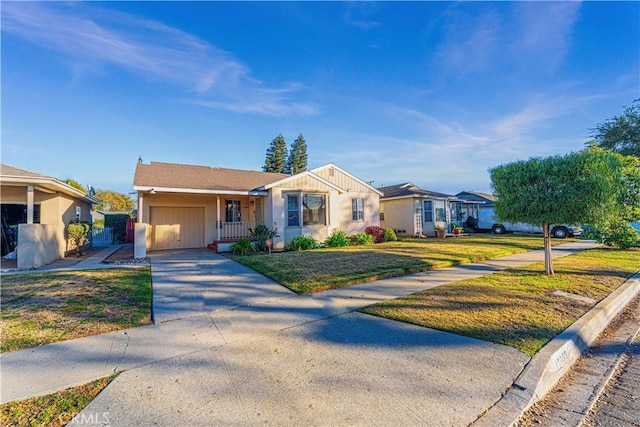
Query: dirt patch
x=122 y=254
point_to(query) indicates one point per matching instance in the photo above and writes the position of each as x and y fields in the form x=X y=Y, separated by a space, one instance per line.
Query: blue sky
x=429 y=92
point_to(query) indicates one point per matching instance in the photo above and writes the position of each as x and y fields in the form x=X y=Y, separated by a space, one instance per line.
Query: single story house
x=412 y=211
x=485 y=200
x=35 y=212
x=189 y=206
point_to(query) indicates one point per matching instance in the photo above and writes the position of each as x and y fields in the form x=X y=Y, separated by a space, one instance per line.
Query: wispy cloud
x=90 y=38
x=471 y=38
x=358 y=15
x=485 y=37
x=543 y=31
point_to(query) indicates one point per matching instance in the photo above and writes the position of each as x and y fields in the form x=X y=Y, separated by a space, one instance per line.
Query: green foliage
x=621 y=133
x=297 y=161
x=303 y=243
x=576 y=188
x=262 y=233
x=629 y=201
x=390 y=235
x=78 y=233
x=617 y=234
x=337 y=239
x=112 y=201
x=242 y=246
x=75 y=184
x=276 y=158
x=98 y=223
x=118 y=224
x=361 y=239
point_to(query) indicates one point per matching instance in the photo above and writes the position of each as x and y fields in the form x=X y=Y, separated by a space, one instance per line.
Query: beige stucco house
x=188 y=206
x=35 y=212
x=412 y=211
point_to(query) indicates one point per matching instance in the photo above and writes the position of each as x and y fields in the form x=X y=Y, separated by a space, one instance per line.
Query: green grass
x=322 y=269
x=43 y=308
x=54 y=409
x=517 y=307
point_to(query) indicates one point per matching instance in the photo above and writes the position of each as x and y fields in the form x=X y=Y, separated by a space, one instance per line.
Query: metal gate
x=101 y=237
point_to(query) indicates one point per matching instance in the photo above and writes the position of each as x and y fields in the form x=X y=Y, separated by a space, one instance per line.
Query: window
x=232 y=210
x=381 y=216
x=293 y=210
x=440 y=213
x=313 y=209
x=78 y=213
x=428 y=211
x=357 y=209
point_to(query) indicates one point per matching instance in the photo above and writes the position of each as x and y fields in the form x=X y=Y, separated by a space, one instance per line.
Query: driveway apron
x=192 y=282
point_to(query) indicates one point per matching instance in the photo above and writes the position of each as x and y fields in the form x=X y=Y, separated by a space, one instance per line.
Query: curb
x=555 y=359
x=619 y=363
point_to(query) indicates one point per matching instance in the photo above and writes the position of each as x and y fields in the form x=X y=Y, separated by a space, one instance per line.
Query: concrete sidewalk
x=258 y=352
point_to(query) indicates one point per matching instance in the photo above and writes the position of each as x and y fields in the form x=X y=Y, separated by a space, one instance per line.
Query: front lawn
x=55 y=409
x=322 y=269
x=43 y=308
x=517 y=307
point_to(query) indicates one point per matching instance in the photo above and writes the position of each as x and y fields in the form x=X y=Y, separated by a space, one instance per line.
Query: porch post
x=140 y=207
x=30 y=204
x=218 y=218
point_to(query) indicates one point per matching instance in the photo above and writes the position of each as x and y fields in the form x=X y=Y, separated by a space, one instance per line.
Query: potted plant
x=457 y=230
x=441 y=231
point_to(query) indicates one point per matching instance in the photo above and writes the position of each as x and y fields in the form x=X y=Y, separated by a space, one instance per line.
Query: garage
x=176 y=227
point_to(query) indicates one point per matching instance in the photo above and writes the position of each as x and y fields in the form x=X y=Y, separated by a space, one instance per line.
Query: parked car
x=487 y=221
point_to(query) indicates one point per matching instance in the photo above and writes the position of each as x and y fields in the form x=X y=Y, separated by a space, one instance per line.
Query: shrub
x=361 y=239
x=242 y=246
x=98 y=223
x=262 y=233
x=303 y=243
x=78 y=233
x=390 y=235
x=118 y=224
x=376 y=232
x=337 y=239
x=620 y=235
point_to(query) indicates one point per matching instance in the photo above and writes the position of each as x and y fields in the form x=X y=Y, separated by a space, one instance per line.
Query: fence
x=101 y=236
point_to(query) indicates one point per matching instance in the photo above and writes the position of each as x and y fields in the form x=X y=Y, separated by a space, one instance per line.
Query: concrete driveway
x=284 y=359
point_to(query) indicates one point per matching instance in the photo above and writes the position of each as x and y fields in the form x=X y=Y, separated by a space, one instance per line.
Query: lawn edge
x=555 y=359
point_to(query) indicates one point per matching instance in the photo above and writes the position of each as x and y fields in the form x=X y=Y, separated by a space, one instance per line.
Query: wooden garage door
x=176 y=227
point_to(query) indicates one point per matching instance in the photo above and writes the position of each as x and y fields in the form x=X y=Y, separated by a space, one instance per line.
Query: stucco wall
x=56 y=211
x=399 y=214
x=38 y=245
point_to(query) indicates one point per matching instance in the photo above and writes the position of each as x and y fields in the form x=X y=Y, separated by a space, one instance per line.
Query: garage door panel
x=176 y=227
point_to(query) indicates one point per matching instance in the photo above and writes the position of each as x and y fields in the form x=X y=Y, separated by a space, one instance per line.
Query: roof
x=410 y=190
x=159 y=175
x=477 y=196
x=11 y=175
x=355 y=178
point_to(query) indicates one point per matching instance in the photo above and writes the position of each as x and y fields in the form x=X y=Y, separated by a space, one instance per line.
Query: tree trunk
x=548 y=261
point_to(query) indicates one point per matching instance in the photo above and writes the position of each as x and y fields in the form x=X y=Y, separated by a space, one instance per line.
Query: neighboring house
x=35 y=212
x=486 y=200
x=188 y=206
x=412 y=211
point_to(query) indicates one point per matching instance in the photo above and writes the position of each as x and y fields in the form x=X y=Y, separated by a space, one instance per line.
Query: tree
x=297 y=161
x=621 y=133
x=276 y=159
x=112 y=201
x=581 y=187
x=75 y=184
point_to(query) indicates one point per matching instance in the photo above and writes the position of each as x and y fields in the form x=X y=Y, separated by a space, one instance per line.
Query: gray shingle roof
x=173 y=175
x=477 y=196
x=409 y=189
x=8 y=170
